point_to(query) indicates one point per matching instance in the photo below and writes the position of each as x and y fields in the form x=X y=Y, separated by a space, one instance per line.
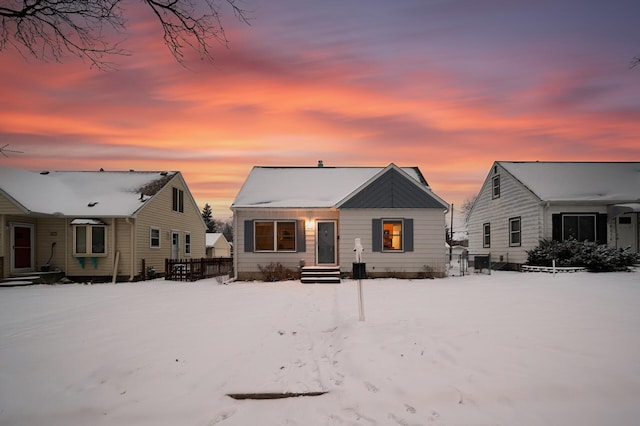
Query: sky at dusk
x=446 y=85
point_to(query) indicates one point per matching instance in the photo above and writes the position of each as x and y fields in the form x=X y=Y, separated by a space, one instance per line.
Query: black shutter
x=301 y=243
x=376 y=235
x=408 y=234
x=248 y=236
x=556 y=227
x=601 y=228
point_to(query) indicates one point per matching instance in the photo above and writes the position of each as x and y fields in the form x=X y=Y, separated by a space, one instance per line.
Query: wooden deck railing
x=196 y=269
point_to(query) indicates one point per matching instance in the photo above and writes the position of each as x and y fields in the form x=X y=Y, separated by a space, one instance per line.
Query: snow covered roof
x=578 y=181
x=307 y=187
x=212 y=238
x=82 y=194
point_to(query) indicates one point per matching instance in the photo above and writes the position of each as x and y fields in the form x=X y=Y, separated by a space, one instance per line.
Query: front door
x=626 y=232
x=22 y=242
x=326 y=239
x=175 y=245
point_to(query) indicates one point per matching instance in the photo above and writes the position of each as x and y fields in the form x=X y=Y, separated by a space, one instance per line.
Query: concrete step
x=320 y=275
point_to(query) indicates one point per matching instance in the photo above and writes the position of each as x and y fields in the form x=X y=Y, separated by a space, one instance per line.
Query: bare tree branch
x=635 y=62
x=53 y=29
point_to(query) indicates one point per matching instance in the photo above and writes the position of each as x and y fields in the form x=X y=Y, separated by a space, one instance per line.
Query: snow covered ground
x=502 y=349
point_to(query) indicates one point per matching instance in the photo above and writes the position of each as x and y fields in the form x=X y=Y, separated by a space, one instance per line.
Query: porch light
x=309 y=224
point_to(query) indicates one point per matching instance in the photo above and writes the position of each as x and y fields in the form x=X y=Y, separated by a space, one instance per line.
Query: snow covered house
x=93 y=225
x=521 y=203
x=311 y=216
x=217 y=245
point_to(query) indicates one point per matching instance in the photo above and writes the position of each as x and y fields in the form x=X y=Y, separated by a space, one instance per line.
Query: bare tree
x=53 y=29
x=635 y=62
x=467 y=205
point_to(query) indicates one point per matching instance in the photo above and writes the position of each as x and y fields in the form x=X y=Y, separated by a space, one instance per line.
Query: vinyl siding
x=158 y=213
x=7 y=206
x=514 y=201
x=428 y=241
x=246 y=263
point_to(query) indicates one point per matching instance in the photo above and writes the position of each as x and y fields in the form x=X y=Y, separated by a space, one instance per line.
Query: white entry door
x=626 y=231
x=175 y=245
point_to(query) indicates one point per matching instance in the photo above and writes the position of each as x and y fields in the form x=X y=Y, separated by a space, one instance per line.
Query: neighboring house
x=312 y=215
x=521 y=203
x=93 y=225
x=217 y=245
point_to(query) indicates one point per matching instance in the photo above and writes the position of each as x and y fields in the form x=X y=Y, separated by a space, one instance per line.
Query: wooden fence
x=196 y=269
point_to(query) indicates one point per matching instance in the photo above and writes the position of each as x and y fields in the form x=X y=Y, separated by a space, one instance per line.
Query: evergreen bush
x=572 y=253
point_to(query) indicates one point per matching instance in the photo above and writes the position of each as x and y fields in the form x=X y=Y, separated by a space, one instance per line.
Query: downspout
x=3 y=236
x=67 y=229
x=235 y=246
x=545 y=222
x=132 y=260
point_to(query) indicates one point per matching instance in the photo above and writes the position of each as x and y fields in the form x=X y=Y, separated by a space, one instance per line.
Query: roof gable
x=82 y=194
x=392 y=189
x=306 y=187
x=578 y=181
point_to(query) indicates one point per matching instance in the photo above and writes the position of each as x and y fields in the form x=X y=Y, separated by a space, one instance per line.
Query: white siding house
x=311 y=216
x=522 y=203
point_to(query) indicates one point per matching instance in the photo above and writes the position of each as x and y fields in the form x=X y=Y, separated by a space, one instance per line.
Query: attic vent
x=44 y=172
x=163 y=173
x=131 y=170
x=320 y=164
x=93 y=203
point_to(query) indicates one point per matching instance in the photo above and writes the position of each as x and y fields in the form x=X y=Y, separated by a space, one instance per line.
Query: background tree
x=225 y=227
x=53 y=29
x=207 y=216
x=466 y=208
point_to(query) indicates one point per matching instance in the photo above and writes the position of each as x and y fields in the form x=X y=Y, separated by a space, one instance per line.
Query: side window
x=486 y=235
x=187 y=244
x=514 y=232
x=154 y=237
x=496 y=187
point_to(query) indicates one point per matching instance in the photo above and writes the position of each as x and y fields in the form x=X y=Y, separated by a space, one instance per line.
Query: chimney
x=320 y=163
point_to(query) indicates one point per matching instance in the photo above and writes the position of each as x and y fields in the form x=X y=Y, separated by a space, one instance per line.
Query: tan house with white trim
x=96 y=225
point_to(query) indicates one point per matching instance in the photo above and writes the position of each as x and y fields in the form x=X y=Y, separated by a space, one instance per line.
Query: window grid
x=496 y=187
x=515 y=233
x=486 y=235
x=154 y=237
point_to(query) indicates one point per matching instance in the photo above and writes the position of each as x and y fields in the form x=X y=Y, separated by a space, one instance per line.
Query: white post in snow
x=359 y=249
x=553 y=265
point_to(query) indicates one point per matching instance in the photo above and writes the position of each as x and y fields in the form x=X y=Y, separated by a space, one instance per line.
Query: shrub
x=276 y=272
x=594 y=257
